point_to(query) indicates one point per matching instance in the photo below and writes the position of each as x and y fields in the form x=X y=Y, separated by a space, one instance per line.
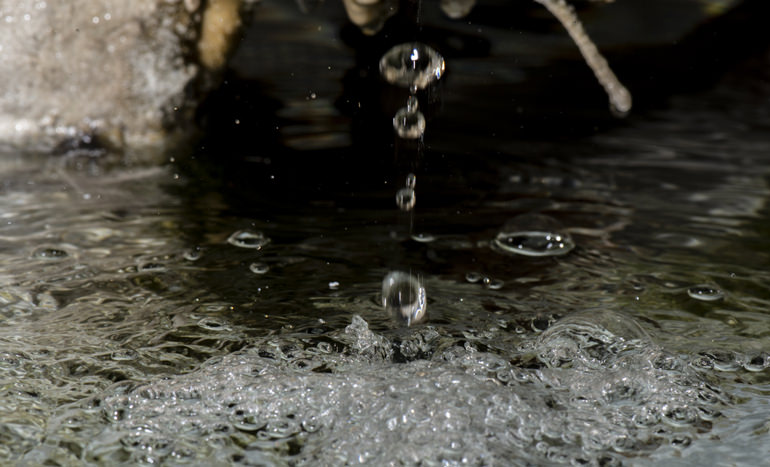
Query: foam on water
x=595 y=390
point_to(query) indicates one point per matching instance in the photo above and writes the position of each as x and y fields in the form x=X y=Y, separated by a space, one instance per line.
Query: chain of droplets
x=414 y=66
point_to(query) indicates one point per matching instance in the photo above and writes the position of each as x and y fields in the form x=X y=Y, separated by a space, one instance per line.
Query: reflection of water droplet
x=473 y=277
x=408 y=124
x=403 y=296
x=50 y=253
x=423 y=237
x=411 y=181
x=259 y=268
x=493 y=284
x=534 y=243
x=412 y=65
x=405 y=199
x=248 y=239
x=705 y=293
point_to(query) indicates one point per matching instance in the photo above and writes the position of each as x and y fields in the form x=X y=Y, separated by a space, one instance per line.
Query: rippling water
x=227 y=309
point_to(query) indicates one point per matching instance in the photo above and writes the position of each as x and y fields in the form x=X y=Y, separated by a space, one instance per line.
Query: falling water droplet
x=259 y=268
x=411 y=181
x=406 y=199
x=456 y=9
x=705 y=293
x=412 y=65
x=409 y=124
x=403 y=296
x=248 y=239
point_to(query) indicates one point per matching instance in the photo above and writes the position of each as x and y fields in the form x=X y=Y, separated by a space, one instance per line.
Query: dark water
x=225 y=308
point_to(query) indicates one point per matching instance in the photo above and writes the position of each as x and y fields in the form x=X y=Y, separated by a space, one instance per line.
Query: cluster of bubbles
x=451 y=400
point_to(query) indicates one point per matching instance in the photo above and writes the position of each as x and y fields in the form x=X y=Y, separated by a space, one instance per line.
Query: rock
x=112 y=77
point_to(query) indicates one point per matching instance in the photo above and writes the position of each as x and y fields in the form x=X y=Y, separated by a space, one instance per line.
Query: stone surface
x=108 y=76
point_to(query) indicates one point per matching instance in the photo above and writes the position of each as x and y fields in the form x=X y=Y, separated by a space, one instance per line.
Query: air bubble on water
x=534 y=243
x=213 y=324
x=423 y=237
x=248 y=239
x=50 y=253
x=409 y=124
x=473 y=277
x=124 y=355
x=405 y=199
x=533 y=235
x=193 y=254
x=412 y=65
x=493 y=284
x=403 y=297
x=705 y=293
x=259 y=268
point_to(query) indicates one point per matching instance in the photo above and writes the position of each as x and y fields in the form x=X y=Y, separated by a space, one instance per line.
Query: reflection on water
x=168 y=315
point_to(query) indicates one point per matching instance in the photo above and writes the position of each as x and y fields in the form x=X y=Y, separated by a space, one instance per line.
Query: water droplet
x=248 y=239
x=534 y=243
x=412 y=65
x=405 y=199
x=493 y=284
x=409 y=124
x=705 y=293
x=259 y=268
x=533 y=235
x=50 y=253
x=411 y=181
x=423 y=237
x=473 y=277
x=403 y=296
x=124 y=355
x=193 y=254
x=456 y=9
x=334 y=285
x=213 y=324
